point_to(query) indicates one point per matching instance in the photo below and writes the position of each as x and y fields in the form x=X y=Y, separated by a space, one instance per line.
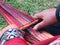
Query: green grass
x=30 y=6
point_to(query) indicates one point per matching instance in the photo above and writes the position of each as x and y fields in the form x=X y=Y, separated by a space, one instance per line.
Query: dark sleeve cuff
x=58 y=13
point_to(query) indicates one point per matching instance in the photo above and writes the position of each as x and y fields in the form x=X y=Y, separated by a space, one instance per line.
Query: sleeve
x=55 y=42
x=16 y=41
x=58 y=13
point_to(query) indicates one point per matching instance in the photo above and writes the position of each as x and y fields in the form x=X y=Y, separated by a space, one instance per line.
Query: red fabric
x=46 y=42
x=9 y=17
x=19 y=41
x=16 y=41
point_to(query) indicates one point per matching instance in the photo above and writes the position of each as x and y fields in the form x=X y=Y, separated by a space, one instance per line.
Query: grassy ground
x=30 y=6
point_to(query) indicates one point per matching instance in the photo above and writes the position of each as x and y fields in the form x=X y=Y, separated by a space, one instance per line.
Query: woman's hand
x=48 y=16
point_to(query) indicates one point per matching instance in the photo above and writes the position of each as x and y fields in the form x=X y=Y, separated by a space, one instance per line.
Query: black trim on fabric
x=58 y=13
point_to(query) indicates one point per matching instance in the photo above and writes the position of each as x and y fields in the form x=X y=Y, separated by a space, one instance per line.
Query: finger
x=38 y=15
x=39 y=25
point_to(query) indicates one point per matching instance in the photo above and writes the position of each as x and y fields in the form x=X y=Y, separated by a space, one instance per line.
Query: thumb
x=39 y=25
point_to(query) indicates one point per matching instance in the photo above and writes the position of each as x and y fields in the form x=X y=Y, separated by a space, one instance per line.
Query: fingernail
x=35 y=28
